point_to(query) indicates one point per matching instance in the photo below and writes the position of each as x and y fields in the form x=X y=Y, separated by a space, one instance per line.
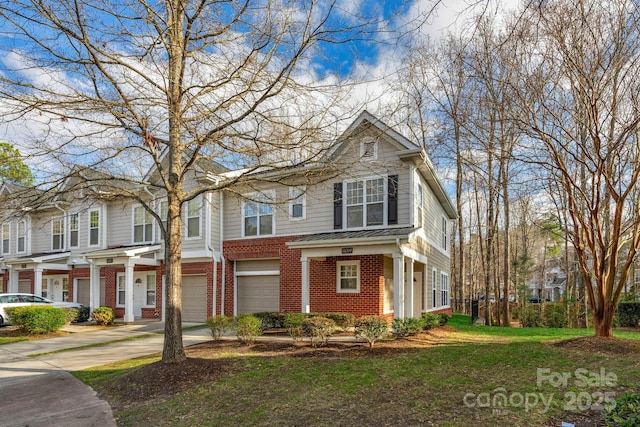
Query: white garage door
x=258 y=286
x=194 y=298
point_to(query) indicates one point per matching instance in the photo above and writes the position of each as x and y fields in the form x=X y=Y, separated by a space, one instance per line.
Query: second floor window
x=257 y=218
x=22 y=236
x=296 y=203
x=142 y=225
x=444 y=233
x=57 y=234
x=73 y=231
x=365 y=203
x=193 y=217
x=419 y=204
x=94 y=227
x=6 y=237
x=163 y=211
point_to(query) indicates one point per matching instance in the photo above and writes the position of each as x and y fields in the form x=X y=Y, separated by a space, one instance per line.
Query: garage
x=258 y=286
x=194 y=298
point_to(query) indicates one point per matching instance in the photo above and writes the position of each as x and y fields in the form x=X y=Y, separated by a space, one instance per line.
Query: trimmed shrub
x=103 y=316
x=293 y=324
x=84 y=313
x=431 y=320
x=218 y=325
x=318 y=329
x=625 y=413
x=371 y=328
x=554 y=315
x=37 y=319
x=408 y=326
x=71 y=314
x=530 y=317
x=343 y=320
x=271 y=319
x=247 y=328
x=444 y=319
x=629 y=314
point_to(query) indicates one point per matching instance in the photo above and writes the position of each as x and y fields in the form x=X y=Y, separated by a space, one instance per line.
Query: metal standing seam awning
x=127 y=256
x=363 y=242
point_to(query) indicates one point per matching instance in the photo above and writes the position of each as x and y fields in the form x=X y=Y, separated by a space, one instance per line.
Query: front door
x=143 y=292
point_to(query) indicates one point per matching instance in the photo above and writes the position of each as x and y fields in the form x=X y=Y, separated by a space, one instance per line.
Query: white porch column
x=94 y=287
x=37 y=281
x=409 y=289
x=13 y=281
x=128 y=292
x=304 y=261
x=398 y=284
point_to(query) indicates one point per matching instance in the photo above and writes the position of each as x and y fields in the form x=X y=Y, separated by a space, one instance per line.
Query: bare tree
x=578 y=98
x=124 y=86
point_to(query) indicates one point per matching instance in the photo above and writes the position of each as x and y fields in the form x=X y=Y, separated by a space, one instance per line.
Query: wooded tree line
x=536 y=117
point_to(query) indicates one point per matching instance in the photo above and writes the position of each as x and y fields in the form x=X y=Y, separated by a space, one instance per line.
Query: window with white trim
x=163 y=212
x=434 y=288
x=74 y=238
x=445 y=236
x=419 y=204
x=57 y=234
x=142 y=225
x=65 y=289
x=6 y=238
x=297 y=203
x=348 y=276
x=21 y=240
x=151 y=290
x=444 y=289
x=369 y=149
x=257 y=217
x=193 y=210
x=122 y=289
x=45 y=288
x=365 y=202
x=94 y=227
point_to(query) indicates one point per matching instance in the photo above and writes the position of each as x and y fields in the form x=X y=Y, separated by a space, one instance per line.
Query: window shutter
x=337 y=205
x=392 y=204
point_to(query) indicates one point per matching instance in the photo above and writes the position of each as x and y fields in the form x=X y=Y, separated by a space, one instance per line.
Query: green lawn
x=458 y=381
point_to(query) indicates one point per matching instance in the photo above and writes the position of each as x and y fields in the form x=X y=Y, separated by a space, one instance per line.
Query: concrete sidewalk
x=39 y=391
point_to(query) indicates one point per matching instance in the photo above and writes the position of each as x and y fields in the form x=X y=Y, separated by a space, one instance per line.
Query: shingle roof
x=359 y=234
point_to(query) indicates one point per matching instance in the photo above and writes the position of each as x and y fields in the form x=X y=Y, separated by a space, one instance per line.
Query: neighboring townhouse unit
x=368 y=235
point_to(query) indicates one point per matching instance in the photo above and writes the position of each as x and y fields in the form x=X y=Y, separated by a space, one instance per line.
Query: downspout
x=212 y=251
x=222 y=260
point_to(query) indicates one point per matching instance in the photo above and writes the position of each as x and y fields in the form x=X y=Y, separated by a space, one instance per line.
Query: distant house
x=370 y=237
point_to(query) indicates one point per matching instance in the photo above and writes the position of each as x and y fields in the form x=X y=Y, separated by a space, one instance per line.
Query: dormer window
x=369 y=149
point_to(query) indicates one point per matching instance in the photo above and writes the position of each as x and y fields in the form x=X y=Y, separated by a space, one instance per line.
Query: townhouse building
x=369 y=235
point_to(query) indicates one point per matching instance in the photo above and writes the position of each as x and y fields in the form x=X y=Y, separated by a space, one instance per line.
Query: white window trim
x=444 y=290
x=3 y=237
x=118 y=276
x=434 y=288
x=186 y=219
x=62 y=221
x=89 y=227
x=363 y=143
x=338 y=282
x=420 y=205
x=159 y=226
x=77 y=230
x=297 y=193
x=146 y=289
x=385 y=202
x=148 y=239
x=254 y=197
x=26 y=233
x=445 y=235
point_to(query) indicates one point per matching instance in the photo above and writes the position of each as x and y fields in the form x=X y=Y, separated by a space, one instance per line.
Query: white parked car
x=20 y=299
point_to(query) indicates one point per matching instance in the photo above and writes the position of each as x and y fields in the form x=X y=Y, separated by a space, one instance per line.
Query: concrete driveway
x=39 y=391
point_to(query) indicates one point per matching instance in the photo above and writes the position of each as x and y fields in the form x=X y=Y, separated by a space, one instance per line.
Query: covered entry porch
x=132 y=289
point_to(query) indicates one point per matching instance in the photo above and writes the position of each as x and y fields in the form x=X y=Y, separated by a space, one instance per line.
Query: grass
x=445 y=384
x=9 y=340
